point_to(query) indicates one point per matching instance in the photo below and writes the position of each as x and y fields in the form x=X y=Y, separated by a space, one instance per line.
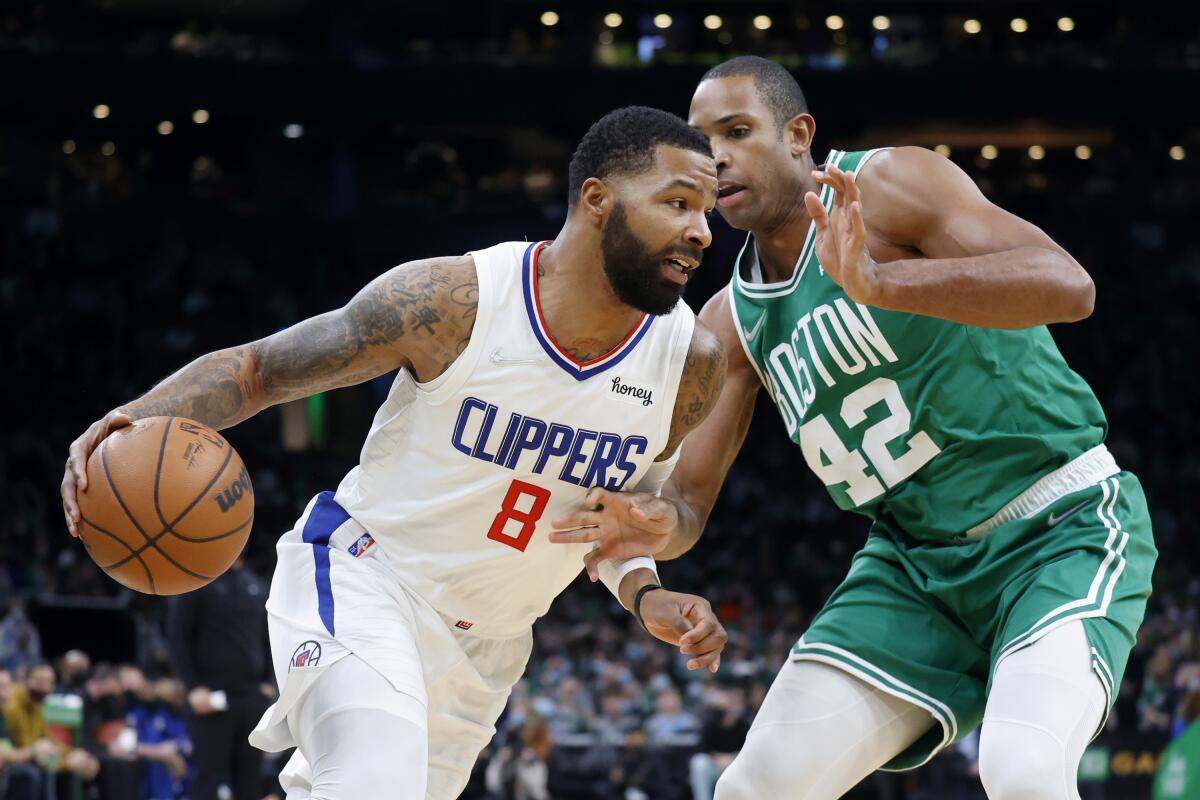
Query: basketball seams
x=202 y=539
x=181 y=567
x=133 y=554
x=116 y=493
x=152 y=541
x=162 y=449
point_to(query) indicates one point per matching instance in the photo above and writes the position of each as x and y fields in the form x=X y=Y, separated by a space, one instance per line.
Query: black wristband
x=637 y=601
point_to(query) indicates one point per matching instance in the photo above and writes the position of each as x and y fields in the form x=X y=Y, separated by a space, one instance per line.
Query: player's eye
x=679 y=203
x=739 y=131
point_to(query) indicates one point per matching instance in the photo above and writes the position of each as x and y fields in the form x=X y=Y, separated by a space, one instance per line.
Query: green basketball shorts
x=929 y=622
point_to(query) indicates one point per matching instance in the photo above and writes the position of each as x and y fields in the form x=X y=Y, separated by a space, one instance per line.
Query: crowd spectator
x=24 y=715
x=671 y=724
x=162 y=742
x=218 y=640
x=145 y=271
x=20 y=778
x=20 y=643
x=721 y=738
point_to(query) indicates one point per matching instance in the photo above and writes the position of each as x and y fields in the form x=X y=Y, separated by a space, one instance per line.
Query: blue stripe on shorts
x=326 y=517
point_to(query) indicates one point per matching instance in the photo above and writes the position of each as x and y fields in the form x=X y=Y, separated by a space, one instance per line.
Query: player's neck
x=780 y=241
x=580 y=309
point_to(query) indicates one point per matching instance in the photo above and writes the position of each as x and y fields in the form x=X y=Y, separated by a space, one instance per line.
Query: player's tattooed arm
x=418 y=316
x=699 y=387
x=709 y=452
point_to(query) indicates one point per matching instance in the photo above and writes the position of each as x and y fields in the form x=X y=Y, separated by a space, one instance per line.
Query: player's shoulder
x=898 y=168
x=706 y=355
x=427 y=298
x=716 y=307
x=906 y=190
x=704 y=343
x=438 y=280
x=439 y=271
x=717 y=317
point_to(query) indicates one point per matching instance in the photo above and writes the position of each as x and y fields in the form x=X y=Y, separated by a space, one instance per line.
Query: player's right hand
x=687 y=621
x=626 y=525
x=75 y=473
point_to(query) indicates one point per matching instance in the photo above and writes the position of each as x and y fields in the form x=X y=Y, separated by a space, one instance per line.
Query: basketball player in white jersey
x=402 y=604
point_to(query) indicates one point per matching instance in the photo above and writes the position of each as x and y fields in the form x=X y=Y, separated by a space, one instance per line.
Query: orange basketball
x=168 y=505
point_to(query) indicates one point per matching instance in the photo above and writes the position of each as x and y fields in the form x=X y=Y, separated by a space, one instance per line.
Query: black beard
x=634 y=272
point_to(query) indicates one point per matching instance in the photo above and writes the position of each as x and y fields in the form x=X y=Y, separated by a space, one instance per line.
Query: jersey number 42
x=833 y=463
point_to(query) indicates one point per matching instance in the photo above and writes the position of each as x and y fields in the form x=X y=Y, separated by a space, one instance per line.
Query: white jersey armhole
x=444 y=385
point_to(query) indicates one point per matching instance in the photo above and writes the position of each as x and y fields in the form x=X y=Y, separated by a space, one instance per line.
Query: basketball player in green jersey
x=896 y=318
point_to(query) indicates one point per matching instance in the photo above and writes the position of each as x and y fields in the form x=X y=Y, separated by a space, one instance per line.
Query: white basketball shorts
x=333 y=594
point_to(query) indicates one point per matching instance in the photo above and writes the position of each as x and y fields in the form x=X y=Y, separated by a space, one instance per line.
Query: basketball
x=168 y=505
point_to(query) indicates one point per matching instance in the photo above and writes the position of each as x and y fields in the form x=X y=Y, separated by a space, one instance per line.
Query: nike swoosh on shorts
x=1053 y=520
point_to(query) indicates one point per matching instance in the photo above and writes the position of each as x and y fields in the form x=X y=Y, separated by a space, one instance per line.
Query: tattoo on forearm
x=212 y=389
x=432 y=305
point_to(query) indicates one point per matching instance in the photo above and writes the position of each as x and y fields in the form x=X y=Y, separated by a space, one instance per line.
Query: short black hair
x=623 y=142
x=776 y=86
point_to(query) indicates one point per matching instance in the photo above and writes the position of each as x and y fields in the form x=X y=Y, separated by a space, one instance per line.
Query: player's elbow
x=1074 y=288
x=254 y=376
x=1079 y=297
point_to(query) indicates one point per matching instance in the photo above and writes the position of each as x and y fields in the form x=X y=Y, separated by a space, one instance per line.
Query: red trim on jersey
x=537 y=304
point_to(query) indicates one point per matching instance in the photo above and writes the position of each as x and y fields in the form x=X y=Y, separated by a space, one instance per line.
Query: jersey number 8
x=509 y=511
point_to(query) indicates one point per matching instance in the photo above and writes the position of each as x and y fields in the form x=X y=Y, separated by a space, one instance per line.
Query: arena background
x=181 y=175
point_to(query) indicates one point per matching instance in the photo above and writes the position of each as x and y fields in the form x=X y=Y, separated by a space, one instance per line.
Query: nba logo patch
x=308 y=654
x=364 y=543
x=462 y=624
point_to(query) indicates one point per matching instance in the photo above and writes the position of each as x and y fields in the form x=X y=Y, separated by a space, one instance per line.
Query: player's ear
x=800 y=131
x=595 y=199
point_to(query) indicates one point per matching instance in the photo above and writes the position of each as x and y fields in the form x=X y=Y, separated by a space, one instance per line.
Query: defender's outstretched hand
x=842 y=236
x=626 y=524
x=687 y=621
x=75 y=472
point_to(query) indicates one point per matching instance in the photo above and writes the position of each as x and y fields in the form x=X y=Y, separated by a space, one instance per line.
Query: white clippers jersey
x=460 y=477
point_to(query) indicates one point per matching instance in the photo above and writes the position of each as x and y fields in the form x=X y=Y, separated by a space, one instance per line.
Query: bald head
x=775 y=85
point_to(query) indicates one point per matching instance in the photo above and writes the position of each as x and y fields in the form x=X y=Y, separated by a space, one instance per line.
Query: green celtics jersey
x=931 y=424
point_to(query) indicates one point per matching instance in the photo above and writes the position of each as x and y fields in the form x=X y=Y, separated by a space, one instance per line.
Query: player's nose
x=698 y=233
x=722 y=158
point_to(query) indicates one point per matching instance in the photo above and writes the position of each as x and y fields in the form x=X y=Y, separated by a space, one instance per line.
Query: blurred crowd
x=475 y=32
x=604 y=712
x=108 y=727
x=117 y=269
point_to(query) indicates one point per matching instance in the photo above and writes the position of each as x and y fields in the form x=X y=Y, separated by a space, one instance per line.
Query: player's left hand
x=626 y=525
x=842 y=236
x=687 y=621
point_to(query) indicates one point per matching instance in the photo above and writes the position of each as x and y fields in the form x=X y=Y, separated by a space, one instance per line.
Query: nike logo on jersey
x=530 y=445
x=1053 y=520
x=750 y=333
x=497 y=358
